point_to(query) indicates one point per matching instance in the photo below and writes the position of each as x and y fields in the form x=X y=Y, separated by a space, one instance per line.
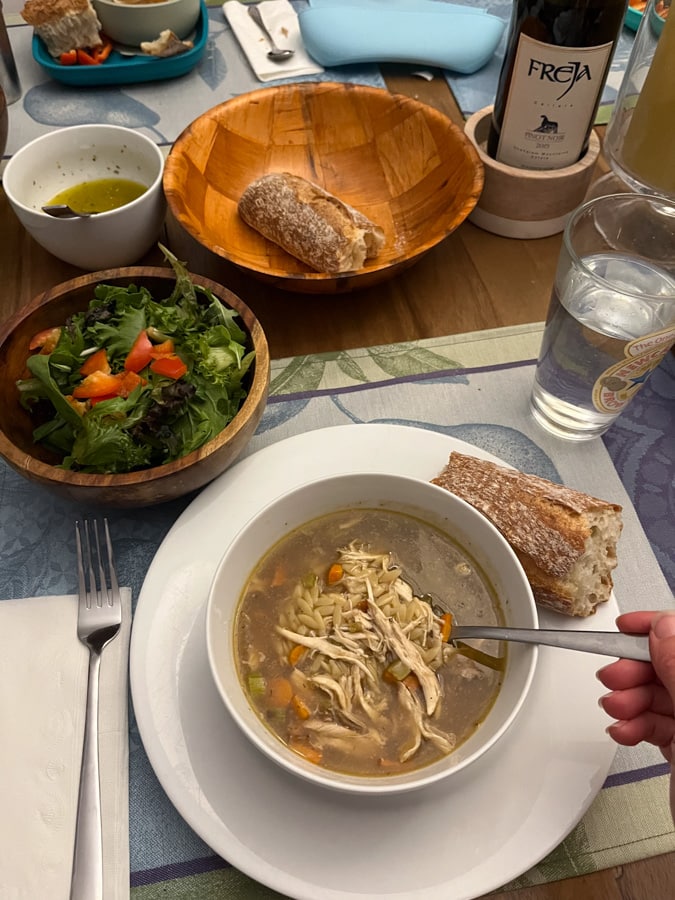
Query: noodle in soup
x=347 y=663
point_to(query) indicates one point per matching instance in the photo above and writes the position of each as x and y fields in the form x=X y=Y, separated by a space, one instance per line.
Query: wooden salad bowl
x=402 y=163
x=144 y=487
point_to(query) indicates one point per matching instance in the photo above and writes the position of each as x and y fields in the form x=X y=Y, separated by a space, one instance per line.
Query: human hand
x=642 y=697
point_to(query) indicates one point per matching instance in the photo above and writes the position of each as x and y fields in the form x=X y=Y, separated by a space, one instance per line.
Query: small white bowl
x=133 y=23
x=69 y=156
x=467 y=527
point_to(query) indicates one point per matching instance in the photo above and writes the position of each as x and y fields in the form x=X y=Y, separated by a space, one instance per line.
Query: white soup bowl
x=469 y=529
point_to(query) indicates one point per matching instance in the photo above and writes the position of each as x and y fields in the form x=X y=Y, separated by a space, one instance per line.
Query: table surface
x=472 y=281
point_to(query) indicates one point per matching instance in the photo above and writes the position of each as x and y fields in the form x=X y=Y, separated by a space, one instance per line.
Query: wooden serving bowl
x=144 y=487
x=402 y=163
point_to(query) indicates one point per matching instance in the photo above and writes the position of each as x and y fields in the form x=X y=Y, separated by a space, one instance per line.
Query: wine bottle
x=557 y=57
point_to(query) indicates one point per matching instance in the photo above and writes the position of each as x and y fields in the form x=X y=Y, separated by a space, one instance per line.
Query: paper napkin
x=43 y=686
x=282 y=23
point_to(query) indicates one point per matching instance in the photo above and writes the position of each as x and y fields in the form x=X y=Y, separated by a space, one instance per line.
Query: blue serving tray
x=634 y=18
x=118 y=69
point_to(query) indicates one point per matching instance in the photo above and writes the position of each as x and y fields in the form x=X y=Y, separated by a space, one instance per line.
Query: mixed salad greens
x=134 y=381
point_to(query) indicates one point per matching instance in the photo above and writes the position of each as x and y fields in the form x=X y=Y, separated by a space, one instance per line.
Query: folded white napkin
x=43 y=686
x=282 y=23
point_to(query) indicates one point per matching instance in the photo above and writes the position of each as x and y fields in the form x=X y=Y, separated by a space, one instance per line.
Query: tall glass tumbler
x=640 y=141
x=611 y=318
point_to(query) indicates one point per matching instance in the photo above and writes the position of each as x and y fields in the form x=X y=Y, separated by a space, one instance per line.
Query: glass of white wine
x=640 y=140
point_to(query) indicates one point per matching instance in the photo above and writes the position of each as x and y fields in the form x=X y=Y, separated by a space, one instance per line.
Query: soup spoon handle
x=607 y=643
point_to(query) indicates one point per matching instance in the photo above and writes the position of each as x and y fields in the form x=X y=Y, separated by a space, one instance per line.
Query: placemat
x=473 y=387
x=160 y=109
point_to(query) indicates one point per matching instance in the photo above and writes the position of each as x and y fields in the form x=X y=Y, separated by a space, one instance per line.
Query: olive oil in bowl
x=100 y=195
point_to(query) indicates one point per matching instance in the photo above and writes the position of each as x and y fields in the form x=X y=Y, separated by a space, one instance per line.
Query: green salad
x=135 y=381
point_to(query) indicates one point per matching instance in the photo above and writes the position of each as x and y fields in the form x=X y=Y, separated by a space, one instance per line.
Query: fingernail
x=602 y=699
x=614 y=725
x=664 y=624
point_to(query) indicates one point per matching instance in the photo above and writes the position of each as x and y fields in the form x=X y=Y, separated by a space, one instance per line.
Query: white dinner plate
x=459 y=839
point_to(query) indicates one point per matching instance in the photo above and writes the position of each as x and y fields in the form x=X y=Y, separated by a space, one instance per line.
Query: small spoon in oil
x=63 y=211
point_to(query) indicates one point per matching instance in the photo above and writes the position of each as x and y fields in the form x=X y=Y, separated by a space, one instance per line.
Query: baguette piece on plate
x=565 y=540
x=310 y=223
x=63 y=24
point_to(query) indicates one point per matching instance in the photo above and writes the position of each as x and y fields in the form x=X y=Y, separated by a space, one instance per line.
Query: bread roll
x=309 y=223
x=63 y=24
x=565 y=540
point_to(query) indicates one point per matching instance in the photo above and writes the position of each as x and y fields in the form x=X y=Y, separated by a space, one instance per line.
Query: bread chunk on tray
x=565 y=540
x=310 y=223
x=63 y=24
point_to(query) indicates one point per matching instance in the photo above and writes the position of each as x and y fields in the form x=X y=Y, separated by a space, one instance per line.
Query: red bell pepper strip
x=140 y=354
x=86 y=59
x=69 y=58
x=129 y=382
x=97 y=362
x=100 y=54
x=94 y=400
x=98 y=384
x=46 y=340
x=166 y=348
x=171 y=366
x=125 y=383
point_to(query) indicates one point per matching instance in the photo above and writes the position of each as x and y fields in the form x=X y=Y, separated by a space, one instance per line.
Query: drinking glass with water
x=611 y=318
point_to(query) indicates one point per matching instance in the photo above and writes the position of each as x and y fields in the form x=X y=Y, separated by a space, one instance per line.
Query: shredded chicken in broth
x=355 y=672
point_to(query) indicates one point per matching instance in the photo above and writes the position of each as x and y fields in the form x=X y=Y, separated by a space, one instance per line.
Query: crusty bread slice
x=565 y=540
x=310 y=223
x=63 y=24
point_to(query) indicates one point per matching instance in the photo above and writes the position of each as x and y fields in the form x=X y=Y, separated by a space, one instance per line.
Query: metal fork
x=99 y=620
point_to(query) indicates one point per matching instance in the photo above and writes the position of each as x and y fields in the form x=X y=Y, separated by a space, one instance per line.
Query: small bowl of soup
x=328 y=631
x=111 y=174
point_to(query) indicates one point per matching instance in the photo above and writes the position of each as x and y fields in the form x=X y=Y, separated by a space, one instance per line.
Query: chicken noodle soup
x=347 y=662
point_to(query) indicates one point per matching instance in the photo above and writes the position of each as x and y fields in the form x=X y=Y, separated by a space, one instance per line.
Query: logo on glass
x=619 y=384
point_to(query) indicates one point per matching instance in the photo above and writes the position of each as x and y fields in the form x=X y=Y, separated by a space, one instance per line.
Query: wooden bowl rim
x=256 y=395
x=171 y=167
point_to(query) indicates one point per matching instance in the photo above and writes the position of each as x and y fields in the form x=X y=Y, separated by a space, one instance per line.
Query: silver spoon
x=63 y=211
x=606 y=643
x=275 y=53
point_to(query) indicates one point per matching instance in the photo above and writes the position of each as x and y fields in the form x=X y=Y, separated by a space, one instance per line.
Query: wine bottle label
x=551 y=100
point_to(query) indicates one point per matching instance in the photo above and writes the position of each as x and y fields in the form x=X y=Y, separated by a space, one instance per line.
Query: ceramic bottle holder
x=527 y=203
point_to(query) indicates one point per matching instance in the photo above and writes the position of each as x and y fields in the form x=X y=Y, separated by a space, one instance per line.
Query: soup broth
x=343 y=652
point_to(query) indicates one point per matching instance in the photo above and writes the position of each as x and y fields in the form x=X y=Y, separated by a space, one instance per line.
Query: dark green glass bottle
x=557 y=58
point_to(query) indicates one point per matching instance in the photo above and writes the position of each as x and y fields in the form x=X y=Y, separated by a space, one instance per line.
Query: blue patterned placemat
x=160 y=109
x=163 y=109
x=473 y=387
